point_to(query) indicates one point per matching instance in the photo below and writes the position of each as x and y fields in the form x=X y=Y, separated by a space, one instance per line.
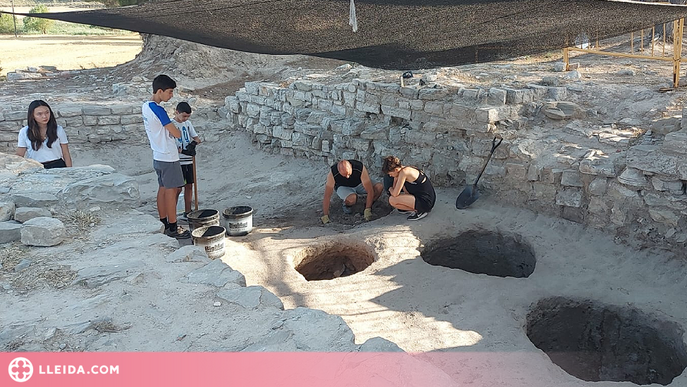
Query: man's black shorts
x=187 y=172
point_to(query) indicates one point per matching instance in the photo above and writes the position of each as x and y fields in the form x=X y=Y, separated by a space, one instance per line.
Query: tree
x=6 y=24
x=37 y=23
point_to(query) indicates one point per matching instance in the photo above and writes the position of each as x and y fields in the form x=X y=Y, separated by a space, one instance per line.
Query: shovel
x=470 y=194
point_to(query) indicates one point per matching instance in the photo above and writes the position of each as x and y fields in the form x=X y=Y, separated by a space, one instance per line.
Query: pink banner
x=219 y=369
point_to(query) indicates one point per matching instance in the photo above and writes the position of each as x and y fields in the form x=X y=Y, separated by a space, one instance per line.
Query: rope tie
x=352 y=20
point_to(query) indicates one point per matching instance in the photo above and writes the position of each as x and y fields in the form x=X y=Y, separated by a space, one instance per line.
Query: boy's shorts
x=343 y=192
x=187 y=172
x=168 y=174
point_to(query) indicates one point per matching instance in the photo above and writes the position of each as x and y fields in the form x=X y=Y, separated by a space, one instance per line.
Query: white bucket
x=211 y=238
x=238 y=220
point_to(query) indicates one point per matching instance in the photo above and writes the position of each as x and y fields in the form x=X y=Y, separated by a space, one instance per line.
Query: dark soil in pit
x=309 y=216
x=595 y=343
x=483 y=252
x=333 y=259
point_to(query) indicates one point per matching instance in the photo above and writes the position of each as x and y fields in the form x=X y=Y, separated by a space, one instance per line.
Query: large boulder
x=110 y=190
x=12 y=165
x=9 y=232
x=42 y=231
x=188 y=253
x=250 y=297
x=23 y=214
x=34 y=199
x=215 y=273
x=7 y=210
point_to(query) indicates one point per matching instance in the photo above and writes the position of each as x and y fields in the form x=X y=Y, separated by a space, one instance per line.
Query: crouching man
x=349 y=178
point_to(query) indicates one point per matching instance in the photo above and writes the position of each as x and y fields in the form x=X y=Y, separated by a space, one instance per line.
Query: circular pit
x=483 y=252
x=596 y=343
x=331 y=260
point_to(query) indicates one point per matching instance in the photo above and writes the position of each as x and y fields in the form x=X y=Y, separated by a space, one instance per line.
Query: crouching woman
x=411 y=191
x=42 y=139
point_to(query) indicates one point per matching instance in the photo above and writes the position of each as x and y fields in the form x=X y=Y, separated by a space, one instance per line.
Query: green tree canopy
x=36 y=23
x=6 y=24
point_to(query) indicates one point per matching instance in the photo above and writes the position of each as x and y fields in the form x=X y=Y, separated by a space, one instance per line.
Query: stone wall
x=94 y=122
x=619 y=176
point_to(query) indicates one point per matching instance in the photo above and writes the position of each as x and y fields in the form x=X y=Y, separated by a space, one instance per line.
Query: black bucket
x=202 y=218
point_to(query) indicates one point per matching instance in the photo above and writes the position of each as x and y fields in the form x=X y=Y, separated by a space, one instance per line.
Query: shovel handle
x=494 y=145
x=195 y=184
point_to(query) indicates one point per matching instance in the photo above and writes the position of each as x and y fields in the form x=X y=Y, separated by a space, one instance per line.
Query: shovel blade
x=469 y=195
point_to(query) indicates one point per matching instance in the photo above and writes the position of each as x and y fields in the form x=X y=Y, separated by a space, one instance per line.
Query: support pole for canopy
x=14 y=18
x=678 y=26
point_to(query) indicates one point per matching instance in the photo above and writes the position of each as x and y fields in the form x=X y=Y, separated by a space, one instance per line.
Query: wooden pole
x=195 y=184
x=677 y=50
x=653 y=36
x=14 y=19
x=664 y=39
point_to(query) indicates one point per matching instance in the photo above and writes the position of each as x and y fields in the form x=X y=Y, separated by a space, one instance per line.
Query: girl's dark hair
x=34 y=131
x=390 y=163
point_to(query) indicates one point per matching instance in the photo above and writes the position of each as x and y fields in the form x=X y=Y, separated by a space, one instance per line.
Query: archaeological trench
x=591 y=172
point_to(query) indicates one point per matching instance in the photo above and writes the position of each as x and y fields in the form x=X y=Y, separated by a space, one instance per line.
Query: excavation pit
x=483 y=252
x=596 y=343
x=331 y=260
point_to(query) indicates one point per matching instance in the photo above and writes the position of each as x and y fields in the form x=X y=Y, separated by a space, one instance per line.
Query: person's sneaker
x=346 y=209
x=183 y=216
x=400 y=211
x=417 y=215
x=179 y=233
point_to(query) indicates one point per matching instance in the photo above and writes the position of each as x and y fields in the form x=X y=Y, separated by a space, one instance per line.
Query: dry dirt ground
x=421 y=307
x=67 y=52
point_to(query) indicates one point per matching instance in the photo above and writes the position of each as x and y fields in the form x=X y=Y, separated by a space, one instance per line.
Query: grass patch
x=82 y=220
x=66 y=28
x=11 y=255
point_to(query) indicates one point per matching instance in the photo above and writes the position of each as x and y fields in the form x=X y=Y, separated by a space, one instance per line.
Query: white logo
x=20 y=369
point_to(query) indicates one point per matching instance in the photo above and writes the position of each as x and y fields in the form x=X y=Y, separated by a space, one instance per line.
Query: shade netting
x=395 y=34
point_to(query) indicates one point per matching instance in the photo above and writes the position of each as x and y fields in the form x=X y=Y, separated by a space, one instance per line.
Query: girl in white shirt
x=42 y=139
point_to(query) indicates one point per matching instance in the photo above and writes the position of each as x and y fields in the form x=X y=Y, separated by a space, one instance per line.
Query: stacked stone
x=431 y=127
x=83 y=123
x=34 y=226
x=11 y=120
x=638 y=193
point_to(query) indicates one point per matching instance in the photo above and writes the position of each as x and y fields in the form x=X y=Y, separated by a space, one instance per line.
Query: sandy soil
x=67 y=52
x=400 y=297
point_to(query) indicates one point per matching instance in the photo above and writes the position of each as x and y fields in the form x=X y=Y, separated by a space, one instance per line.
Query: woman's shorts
x=423 y=204
x=59 y=163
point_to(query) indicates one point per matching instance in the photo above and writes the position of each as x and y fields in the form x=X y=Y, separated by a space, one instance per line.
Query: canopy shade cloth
x=393 y=34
